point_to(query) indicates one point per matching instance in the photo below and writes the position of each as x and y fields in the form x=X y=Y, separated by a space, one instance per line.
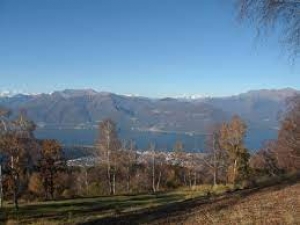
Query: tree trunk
x=1 y=190
x=158 y=182
x=114 y=183
x=109 y=174
x=86 y=181
x=153 y=174
x=129 y=181
x=16 y=198
x=45 y=188
x=234 y=172
x=51 y=186
x=15 y=182
x=190 y=179
x=215 y=162
x=15 y=192
x=215 y=177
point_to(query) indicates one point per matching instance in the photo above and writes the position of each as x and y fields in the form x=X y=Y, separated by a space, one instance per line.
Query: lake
x=163 y=141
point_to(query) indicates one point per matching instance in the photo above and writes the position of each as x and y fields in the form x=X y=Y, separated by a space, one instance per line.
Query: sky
x=152 y=48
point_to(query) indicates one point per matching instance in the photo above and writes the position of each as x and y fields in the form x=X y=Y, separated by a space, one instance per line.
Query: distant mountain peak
x=274 y=94
x=69 y=93
x=192 y=97
x=9 y=94
x=6 y=94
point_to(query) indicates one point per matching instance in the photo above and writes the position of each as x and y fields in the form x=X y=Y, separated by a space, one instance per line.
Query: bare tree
x=4 y=114
x=15 y=153
x=232 y=141
x=266 y=159
x=282 y=15
x=51 y=162
x=15 y=149
x=153 y=156
x=108 y=144
x=189 y=164
x=215 y=159
x=1 y=186
x=4 y=123
x=289 y=137
x=178 y=152
x=130 y=158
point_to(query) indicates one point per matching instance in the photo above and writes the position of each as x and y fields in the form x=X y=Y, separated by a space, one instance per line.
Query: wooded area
x=36 y=170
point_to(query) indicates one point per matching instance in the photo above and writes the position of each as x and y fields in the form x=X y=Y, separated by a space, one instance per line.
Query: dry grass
x=83 y=210
x=276 y=204
x=270 y=206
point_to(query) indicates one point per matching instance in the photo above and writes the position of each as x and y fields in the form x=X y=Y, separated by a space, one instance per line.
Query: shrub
x=68 y=193
x=35 y=185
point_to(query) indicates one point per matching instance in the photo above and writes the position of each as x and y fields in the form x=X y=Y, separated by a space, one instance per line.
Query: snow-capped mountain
x=5 y=93
x=193 y=97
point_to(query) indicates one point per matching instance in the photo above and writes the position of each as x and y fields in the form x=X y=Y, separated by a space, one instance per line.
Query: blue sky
x=147 y=47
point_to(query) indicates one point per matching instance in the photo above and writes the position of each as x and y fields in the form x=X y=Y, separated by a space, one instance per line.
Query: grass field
x=276 y=203
x=84 y=210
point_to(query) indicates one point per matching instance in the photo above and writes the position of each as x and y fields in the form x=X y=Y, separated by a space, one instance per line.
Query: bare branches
x=275 y=15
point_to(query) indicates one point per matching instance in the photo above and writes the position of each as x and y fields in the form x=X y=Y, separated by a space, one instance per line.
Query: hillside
x=278 y=204
x=64 y=114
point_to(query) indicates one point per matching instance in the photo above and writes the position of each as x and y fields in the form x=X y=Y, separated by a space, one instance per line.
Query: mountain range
x=83 y=109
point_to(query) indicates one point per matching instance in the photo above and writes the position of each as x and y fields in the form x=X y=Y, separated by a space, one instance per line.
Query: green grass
x=85 y=209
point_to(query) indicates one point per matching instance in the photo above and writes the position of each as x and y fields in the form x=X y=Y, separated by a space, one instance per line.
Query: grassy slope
x=278 y=204
x=83 y=210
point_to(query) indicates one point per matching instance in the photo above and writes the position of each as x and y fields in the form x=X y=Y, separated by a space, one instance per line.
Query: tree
x=35 y=184
x=14 y=150
x=190 y=163
x=178 y=151
x=270 y=14
x=16 y=143
x=130 y=157
x=289 y=137
x=232 y=141
x=215 y=158
x=4 y=123
x=50 y=163
x=1 y=186
x=4 y=114
x=265 y=161
x=152 y=150
x=108 y=144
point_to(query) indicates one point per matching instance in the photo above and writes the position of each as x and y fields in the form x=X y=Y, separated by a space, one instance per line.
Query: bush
x=12 y=222
x=266 y=181
x=68 y=193
x=248 y=184
x=172 y=184
x=96 y=189
x=221 y=188
x=35 y=185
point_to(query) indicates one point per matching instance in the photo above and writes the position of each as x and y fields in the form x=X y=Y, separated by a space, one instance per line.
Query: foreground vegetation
x=275 y=204
x=273 y=201
x=270 y=206
x=35 y=176
x=84 y=210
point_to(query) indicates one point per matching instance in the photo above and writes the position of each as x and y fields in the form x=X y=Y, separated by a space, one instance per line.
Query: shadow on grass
x=86 y=206
x=164 y=207
x=178 y=211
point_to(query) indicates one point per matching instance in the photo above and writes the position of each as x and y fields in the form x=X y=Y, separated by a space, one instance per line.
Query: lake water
x=163 y=141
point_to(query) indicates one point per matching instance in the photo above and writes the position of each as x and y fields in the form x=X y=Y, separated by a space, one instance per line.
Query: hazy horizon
x=11 y=93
